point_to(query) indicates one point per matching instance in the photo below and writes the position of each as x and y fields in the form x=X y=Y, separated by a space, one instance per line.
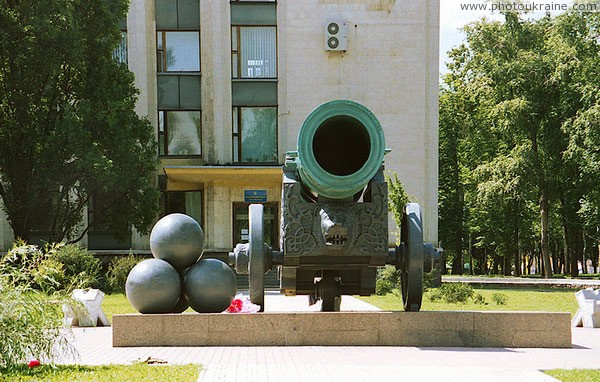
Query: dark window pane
x=258 y=52
x=182 y=51
x=259 y=134
x=184 y=134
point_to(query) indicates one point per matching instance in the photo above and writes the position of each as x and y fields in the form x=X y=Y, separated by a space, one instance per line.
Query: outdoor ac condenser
x=336 y=36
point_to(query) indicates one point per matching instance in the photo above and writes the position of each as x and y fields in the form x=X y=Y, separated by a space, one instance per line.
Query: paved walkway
x=347 y=364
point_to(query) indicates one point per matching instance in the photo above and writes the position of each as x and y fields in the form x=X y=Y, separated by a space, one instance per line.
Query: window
x=177 y=51
x=99 y=233
x=188 y=202
x=120 y=52
x=241 y=223
x=255 y=134
x=179 y=133
x=254 y=52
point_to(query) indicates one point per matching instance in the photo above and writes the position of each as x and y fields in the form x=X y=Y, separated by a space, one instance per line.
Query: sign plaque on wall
x=255 y=196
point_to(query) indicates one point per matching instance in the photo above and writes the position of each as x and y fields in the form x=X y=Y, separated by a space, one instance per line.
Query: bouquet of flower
x=242 y=304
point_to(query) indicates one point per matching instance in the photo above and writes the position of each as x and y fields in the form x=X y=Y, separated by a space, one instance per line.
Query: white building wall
x=391 y=67
x=6 y=233
x=141 y=46
x=215 y=65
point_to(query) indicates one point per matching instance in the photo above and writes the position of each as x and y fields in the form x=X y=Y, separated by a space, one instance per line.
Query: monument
x=334 y=213
x=334 y=237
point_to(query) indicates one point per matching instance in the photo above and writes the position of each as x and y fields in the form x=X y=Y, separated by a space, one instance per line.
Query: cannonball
x=209 y=286
x=183 y=303
x=153 y=286
x=177 y=239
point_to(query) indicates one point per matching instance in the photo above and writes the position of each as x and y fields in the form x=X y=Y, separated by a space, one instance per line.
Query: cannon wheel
x=330 y=292
x=256 y=248
x=411 y=232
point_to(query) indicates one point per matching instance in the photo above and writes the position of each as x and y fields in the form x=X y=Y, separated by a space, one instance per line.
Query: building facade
x=227 y=86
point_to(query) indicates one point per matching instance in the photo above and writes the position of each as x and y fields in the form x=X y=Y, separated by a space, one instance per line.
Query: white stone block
x=89 y=313
x=588 y=314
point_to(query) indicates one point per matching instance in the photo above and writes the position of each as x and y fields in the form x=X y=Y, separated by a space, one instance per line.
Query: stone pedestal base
x=420 y=329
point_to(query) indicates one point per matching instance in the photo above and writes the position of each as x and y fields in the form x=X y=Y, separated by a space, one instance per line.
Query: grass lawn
x=575 y=375
x=551 y=300
x=117 y=373
x=548 y=300
x=116 y=304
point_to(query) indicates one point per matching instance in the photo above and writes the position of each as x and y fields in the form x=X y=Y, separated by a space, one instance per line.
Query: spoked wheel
x=256 y=248
x=411 y=232
x=329 y=290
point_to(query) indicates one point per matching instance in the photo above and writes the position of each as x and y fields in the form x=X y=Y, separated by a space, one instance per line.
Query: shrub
x=49 y=276
x=383 y=287
x=453 y=293
x=118 y=270
x=30 y=324
x=479 y=299
x=81 y=269
x=20 y=263
x=500 y=298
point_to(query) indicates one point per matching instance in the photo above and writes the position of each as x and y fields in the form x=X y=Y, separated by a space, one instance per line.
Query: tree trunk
x=544 y=242
x=584 y=253
x=457 y=263
x=517 y=254
x=471 y=254
x=567 y=249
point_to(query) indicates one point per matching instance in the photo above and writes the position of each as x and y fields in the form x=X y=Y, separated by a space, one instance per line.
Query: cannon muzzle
x=340 y=148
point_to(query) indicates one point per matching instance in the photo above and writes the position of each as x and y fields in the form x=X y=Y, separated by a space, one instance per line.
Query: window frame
x=161 y=56
x=238 y=53
x=122 y=48
x=165 y=134
x=275 y=235
x=237 y=136
x=164 y=204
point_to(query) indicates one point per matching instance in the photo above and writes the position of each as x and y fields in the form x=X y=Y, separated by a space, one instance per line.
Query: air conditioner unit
x=336 y=36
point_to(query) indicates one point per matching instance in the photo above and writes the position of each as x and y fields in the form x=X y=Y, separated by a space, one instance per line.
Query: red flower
x=236 y=306
x=33 y=363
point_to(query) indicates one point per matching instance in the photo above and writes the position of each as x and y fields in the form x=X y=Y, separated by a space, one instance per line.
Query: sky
x=453 y=16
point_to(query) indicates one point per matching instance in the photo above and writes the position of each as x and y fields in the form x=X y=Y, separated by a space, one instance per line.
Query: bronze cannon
x=334 y=217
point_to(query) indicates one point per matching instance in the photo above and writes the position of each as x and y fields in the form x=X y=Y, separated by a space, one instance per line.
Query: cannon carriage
x=334 y=217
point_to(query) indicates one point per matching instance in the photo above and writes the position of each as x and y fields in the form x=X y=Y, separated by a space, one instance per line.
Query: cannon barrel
x=340 y=148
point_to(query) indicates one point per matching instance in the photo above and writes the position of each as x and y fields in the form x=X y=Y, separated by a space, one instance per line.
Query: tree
x=68 y=129
x=517 y=108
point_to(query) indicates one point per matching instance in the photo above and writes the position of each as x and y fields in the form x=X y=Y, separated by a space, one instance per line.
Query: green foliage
x=388 y=279
x=49 y=276
x=383 y=287
x=118 y=270
x=453 y=293
x=20 y=264
x=69 y=131
x=519 y=122
x=30 y=323
x=56 y=268
x=80 y=268
x=397 y=197
x=479 y=299
x=500 y=298
x=81 y=373
x=430 y=280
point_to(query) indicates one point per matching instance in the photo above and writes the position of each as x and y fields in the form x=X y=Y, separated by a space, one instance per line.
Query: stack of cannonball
x=177 y=277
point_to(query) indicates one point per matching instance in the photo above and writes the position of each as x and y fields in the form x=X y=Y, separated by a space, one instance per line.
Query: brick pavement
x=94 y=346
